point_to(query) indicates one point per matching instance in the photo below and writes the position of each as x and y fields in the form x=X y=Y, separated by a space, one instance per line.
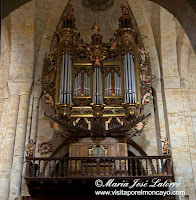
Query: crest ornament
x=98 y=5
x=45 y=148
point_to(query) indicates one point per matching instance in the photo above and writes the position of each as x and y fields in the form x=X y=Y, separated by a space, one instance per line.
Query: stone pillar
x=174 y=106
x=3 y=115
x=183 y=54
x=8 y=146
x=32 y=126
x=19 y=148
x=36 y=98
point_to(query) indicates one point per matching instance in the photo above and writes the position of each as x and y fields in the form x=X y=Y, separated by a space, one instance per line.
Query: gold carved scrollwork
x=49 y=77
x=101 y=147
x=145 y=76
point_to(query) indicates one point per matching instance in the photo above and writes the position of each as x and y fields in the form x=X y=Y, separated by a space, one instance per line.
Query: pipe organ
x=97 y=91
x=89 y=78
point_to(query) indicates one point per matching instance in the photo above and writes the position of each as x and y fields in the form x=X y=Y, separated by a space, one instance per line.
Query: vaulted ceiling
x=183 y=10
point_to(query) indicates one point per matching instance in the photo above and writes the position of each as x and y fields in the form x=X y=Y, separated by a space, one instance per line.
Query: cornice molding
x=19 y=87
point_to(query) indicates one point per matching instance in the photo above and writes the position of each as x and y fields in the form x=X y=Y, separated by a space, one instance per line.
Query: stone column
x=8 y=143
x=19 y=148
x=175 y=112
x=33 y=121
x=183 y=54
x=36 y=98
x=3 y=115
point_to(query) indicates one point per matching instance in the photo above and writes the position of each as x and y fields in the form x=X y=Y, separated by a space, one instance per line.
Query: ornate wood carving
x=45 y=148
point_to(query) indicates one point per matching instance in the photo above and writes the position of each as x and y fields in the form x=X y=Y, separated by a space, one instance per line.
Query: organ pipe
x=108 y=84
x=65 y=80
x=97 y=86
x=129 y=80
x=78 y=82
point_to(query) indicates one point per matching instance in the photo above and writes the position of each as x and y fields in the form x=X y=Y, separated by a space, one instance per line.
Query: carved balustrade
x=129 y=168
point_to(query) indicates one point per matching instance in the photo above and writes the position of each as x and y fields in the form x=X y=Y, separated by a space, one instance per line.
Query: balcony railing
x=94 y=167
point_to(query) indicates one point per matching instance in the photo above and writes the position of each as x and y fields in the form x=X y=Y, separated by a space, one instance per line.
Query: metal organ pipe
x=106 y=86
x=117 y=85
x=79 y=86
x=65 y=80
x=61 y=81
x=115 y=81
x=97 y=86
x=84 y=84
x=133 y=80
x=129 y=75
x=88 y=85
x=126 y=79
x=130 y=89
x=110 y=84
x=68 y=82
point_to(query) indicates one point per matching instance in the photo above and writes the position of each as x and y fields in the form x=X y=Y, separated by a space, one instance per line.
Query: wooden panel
x=112 y=150
x=82 y=150
x=73 y=151
x=78 y=150
x=122 y=149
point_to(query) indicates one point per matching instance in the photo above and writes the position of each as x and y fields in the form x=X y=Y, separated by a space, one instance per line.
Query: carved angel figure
x=81 y=45
x=146 y=98
x=30 y=148
x=98 y=61
x=166 y=146
x=143 y=54
x=124 y=9
x=95 y=27
x=48 y=98
x=112 y=44
x=139 y=127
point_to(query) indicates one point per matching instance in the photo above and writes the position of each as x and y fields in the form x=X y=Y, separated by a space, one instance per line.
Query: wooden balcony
x=91 y=168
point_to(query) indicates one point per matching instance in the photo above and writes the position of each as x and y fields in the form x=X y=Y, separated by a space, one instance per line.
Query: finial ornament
x=70 y=10
x=125 y=10
x=95 y=27
x=166 y=145
x=30 y=148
